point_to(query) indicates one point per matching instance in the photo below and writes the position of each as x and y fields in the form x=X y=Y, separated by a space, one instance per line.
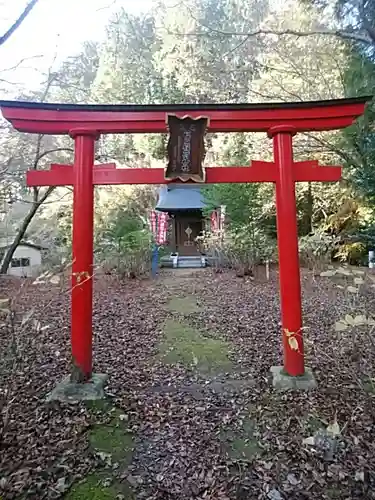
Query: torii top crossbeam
x=47 y=118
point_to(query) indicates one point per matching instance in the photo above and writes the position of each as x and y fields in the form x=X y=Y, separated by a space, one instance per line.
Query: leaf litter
x=185 y=421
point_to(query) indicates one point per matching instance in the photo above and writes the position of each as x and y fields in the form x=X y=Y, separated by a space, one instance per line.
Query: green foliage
x=352 y=17
x=212 y=67
x=240 y=249
x=352 y=253
x=124 y=245
x=358 y=141
x=242 y=201
x=92 y=489
x=316 y=250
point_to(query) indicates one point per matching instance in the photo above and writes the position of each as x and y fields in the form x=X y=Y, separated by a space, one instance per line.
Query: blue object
x=154 y=260
x=180 y=197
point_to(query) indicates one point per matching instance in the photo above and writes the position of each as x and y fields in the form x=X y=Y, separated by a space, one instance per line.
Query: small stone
x=132 y=481
x=326 y=443
x=274 y=495
x=360 y=476
x=292 y=479
x=62 y=485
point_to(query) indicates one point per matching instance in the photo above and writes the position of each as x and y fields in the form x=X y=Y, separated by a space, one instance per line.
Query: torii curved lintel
x=48 y=118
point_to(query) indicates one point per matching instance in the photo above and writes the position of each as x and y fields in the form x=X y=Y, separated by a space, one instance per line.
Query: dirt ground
x=191 y=412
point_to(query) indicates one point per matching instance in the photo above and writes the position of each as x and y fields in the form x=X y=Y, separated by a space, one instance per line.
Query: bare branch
x=346 y=35
x=19 y=21
x=49 y=151
x=21 y=61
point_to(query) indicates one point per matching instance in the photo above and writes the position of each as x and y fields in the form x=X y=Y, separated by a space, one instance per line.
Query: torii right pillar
x=293 y=375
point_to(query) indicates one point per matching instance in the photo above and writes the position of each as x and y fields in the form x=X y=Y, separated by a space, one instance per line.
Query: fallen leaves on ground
x=197 y=435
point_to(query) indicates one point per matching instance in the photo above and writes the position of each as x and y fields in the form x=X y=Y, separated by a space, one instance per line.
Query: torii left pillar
x=82 y=254
x=82 y=383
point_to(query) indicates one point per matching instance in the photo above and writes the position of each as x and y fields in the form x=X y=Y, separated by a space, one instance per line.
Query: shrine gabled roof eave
x=54 y=118
x=181 y=197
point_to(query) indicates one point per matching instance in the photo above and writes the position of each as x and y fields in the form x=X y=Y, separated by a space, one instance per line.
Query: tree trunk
x=23 y=228
x=306 y=221
x=309 y=208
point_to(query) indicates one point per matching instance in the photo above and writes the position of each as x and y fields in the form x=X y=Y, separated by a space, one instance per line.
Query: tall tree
x=212 y=67
x=358 y=141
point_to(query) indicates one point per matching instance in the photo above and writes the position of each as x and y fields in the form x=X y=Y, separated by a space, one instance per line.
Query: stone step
x=185 y=261
x=190 y=262
x=186 y=265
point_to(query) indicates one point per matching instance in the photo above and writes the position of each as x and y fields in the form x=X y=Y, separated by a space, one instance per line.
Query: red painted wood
x=62 y=128
x=60 y=121
x=287 y=239
x=310 y=171
x=62 y=175
x=280 y=121
x=82 y=258
x=103 y=166
x=307 y=171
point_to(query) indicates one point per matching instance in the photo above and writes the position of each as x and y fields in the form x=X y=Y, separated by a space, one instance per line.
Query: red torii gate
x=84 y=123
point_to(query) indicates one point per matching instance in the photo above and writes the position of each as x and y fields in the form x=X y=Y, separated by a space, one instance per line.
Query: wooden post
x=287 y=236
x=82 y=249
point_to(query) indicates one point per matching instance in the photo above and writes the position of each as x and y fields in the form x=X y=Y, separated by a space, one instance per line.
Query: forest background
x=195 y=51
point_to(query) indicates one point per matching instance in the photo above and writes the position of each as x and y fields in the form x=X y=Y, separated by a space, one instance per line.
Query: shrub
x=351 y=252
x=127 y=260
x=125 y=246
x=240 y=249
x=316 y=250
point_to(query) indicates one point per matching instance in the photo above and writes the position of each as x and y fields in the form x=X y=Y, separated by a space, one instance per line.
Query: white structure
x=26 y=261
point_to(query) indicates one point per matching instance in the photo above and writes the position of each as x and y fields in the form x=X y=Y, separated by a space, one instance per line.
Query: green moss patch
x=92 y=488
x=186 y=345
x=114 y=444
x=241 y=444
x=369 y=385
x=314 y=423
x=183 y=305
x=114 y=440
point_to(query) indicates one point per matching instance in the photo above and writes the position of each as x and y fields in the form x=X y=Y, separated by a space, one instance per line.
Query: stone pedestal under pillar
x=73 y=392
x=281 y=381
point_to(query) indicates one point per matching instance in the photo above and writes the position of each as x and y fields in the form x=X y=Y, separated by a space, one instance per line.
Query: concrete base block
x=72 y=392
x=284 y=382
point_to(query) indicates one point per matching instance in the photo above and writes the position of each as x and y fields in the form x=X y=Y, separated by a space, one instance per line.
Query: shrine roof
x=180 y=197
